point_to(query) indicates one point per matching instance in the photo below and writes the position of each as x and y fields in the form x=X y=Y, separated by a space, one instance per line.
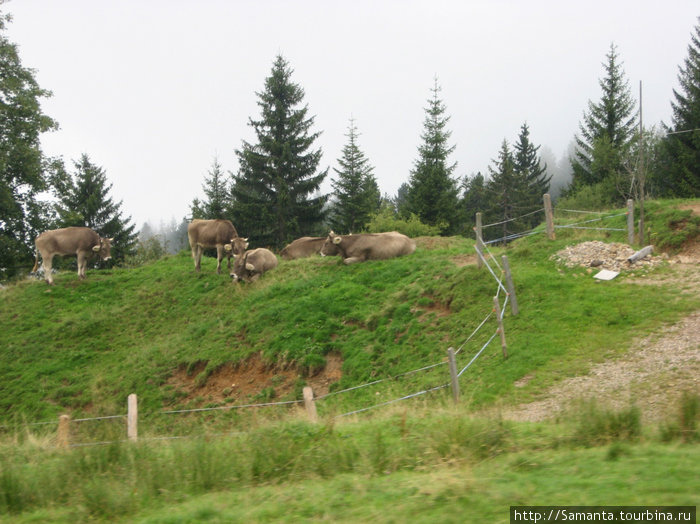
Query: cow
x=304 y=247
x=80 y=241
x=214 y=233
x=368 y=246
x=253 y=263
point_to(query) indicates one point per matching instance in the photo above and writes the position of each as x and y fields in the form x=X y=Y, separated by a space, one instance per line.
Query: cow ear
x=250 y=267
x=337 y=240
x=246 y=239
x=96 y=249
x=111 y=239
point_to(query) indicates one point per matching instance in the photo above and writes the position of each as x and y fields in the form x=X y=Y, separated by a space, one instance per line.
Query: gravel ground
x=656 y=370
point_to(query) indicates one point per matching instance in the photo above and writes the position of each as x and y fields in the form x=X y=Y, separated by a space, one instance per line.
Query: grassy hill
x=182 y=340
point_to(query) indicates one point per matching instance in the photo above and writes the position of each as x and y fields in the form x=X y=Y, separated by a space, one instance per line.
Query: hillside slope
x=179 y=339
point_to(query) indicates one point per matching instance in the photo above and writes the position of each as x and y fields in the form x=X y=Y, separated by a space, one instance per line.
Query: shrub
x=386 y=220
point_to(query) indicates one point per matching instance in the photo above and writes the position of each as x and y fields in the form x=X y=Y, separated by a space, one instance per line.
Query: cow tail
x=36 y=261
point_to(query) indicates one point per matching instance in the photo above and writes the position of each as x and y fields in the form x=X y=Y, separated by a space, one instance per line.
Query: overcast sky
x=154 y=90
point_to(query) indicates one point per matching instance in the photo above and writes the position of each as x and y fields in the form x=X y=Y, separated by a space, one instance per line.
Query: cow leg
x=353 y=260
x=219 y=258
x=197 y=257
x=82 y=262
x=47 y=262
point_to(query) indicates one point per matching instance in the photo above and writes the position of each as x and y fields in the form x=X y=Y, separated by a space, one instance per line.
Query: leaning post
x=510 y=286
x=132 y=418
x=453 y=374
x=630 y=222
x=63 y=437
x=310 y=404
x=501 y=331
x=549 y=216
x=479 y=241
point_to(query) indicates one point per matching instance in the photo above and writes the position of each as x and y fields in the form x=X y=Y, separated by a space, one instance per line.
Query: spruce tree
x=432 y=193
x=680 y=176
x=274 y=196
x=84 y=201
x=474 y=200
x=505 y=191
x=216 y=192
x=534 y=176
x=355 y=194
x=23 y=167
x=607 y=131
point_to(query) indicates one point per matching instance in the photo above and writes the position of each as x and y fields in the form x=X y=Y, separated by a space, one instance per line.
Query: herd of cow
x=248 y=264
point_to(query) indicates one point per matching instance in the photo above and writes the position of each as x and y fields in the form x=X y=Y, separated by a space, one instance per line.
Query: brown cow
x=80 y=241
x=369 y=246
x=253 y=263
x=214 y=233
x=305 y=247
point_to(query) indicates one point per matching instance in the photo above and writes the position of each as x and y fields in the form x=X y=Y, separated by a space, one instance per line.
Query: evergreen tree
x=681 y=154
x=84 y=201
x=216 y=193
x=274 y=194
x=534 y=176
x=355 y=191
x=607 y=130
x=505 y=190
x=23 y=167
x=474 y=200
x=432 y=193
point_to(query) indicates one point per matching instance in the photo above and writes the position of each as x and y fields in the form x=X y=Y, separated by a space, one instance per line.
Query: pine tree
x=84 y=201
x=474 y=200
x=527 y=165
x=272 y=200
x=607 y=130
x=22 y=165
x=505 y=190
x=355 y=190
x=216 y=193
x=681 y=152
x=432 y=192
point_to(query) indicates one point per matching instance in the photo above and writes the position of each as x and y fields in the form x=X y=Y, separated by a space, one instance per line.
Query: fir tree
x=22 y=164
x=273 y=192
x=216 y=192
x=528 y=168
x=355 y=190
x=681 y=152
x=607 y=130
x=84 y=201
x=505 y=190
x=474 y=200
x=432 y=192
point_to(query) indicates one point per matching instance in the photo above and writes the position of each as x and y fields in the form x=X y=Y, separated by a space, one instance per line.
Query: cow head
x=237 y=246
x=330 y=246
x=103 y=248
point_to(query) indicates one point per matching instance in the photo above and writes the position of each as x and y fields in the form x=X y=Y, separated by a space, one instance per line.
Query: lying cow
x=368 y=246
x=80 y=241
x=214 y=233
x=304 y=247
x=253 y=263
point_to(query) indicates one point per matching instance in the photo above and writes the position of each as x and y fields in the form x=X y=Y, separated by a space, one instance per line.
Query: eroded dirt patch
x=250 y=381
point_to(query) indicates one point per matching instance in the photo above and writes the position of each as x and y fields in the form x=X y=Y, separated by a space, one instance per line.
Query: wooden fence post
x=510 y=286
x=310 y=404
x=63 y=436
x=453 y=374
x=501 y=331
x=630 y=222
x=479 y=243
x=549 y=216
x=132 y=418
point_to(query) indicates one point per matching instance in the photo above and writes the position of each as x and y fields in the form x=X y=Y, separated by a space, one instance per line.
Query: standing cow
x=80 y=241
x=253 y=263
x=214 y=233
x=304 y=247
x=368 y=246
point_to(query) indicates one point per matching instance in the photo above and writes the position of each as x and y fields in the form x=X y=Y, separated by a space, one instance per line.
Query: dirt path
x=653 y=374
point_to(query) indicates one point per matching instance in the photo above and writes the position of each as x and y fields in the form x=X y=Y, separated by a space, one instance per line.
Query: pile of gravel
x=600 y=255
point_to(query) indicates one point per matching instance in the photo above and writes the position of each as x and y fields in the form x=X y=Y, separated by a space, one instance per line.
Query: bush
x=386 y=220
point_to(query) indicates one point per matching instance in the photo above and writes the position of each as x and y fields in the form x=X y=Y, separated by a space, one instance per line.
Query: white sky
x=153 y=90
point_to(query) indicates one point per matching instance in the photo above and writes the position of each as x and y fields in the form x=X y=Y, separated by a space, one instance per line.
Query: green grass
x=81 y=347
